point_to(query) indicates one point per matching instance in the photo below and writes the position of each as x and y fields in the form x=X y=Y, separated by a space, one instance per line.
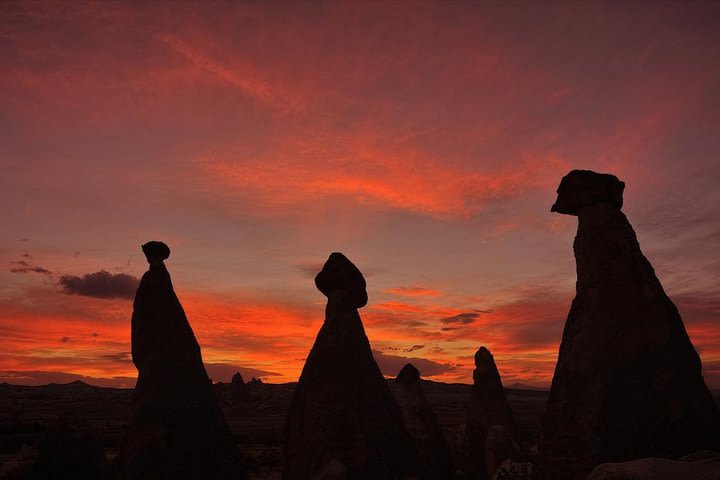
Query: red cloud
x=404 y=179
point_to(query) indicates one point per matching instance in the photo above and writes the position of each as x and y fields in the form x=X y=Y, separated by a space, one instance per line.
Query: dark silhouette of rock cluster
x=421 y=424
x=627 y=386
x=177 y=430
x=343 y=421
x=490 y=427
x=238 y=390
x=628 y=381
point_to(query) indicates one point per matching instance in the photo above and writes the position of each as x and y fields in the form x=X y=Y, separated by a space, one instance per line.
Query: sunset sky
x=424 y=140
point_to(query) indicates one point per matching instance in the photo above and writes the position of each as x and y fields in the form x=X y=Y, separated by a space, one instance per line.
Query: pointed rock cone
x=628 y=382
x=421 y=424
x=238 y=390
x=343 y=417
x=177 y=429
x=489 y=411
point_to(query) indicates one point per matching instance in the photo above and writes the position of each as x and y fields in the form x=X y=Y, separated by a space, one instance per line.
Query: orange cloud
x=405 y=179
x=89 y=338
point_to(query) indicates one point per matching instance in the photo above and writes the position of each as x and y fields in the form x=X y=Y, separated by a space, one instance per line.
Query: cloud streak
x=246 y=79
x=26 y=266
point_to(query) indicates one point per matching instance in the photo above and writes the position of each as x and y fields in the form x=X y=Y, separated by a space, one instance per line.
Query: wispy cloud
x=245 y=78
x=26 y=265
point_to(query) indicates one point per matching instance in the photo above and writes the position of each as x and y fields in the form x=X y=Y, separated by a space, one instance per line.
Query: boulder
x=514 y=470
x=499 y=447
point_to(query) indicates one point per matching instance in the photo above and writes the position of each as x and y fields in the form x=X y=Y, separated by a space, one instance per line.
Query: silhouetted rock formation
x=238 y=390
x=628 y=382
x=408 y=375
x=342 y=412
x=177 y=429
x=488 y=408
x=421 y=423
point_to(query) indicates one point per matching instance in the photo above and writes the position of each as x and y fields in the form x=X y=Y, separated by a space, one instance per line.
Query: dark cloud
x=102 y=284
x=24 y=266
x=118 y=357
x=42 y=270
x=390 y=365
x=461 y=318
x=65 y=339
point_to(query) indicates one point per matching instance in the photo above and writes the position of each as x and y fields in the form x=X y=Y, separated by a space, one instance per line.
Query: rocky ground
x=26 y=413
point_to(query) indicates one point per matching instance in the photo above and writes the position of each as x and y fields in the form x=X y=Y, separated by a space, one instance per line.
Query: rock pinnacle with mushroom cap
x=628 y=381
x=343 y=416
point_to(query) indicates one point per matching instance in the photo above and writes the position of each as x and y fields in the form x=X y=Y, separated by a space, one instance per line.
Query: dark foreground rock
x=70 y=450
x=177 y=430
x=490 y=426
x=421 y=424
x=343 y=419
x=628 y=381
x=239 y=393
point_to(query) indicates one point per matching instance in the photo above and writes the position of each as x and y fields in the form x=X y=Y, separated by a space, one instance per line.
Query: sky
x=424 y=140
